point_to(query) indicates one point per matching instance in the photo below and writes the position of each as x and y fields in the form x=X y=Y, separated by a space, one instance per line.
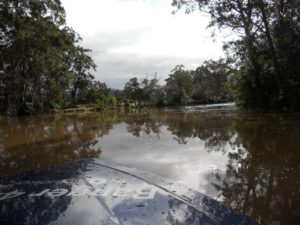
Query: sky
x=138 y=38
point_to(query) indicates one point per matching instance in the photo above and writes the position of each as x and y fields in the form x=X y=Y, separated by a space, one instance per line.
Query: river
x=249 y=161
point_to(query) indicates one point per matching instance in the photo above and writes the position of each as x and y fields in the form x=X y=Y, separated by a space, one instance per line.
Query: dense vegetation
x=206 y=84
x=42 y=65
x=265 y=50
x=44 y=68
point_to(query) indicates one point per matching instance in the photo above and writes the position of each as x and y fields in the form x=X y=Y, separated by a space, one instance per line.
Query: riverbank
x=95 y=108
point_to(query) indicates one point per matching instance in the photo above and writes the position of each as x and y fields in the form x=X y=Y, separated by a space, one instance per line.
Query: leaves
x=40 y=56
x=268 y=75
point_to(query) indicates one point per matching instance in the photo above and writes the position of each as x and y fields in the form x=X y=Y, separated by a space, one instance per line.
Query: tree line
x=206 y=84
x=43 y=67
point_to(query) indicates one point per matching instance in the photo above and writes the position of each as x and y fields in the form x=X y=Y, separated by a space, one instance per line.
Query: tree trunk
x=251 y=50
x=73 y=95
x=270 y=44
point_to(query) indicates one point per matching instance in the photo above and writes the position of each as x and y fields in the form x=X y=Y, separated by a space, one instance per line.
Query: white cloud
x=135 y=37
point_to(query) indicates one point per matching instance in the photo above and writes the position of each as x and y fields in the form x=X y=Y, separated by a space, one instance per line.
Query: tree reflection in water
x=261 y=178
x=262 y=174
x=28 y=143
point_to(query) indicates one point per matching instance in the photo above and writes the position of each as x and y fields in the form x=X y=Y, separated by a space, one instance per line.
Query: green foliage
x=107 y=102
x=210 y=82
x=100 y=104
x=133 y=90
x=56 y=107
x=267 y=54
x=151 y=91
x=41 y=63
x=147 y=92
x=179 y=86
x=113 y=101
x=207 y=84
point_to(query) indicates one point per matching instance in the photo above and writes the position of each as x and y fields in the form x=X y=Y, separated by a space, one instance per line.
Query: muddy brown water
x=248 y=161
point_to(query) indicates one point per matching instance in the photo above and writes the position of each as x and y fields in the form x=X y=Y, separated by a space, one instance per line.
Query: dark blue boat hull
x=98 y=192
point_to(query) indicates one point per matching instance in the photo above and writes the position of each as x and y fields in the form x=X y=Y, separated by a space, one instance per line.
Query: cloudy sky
x=138 y=37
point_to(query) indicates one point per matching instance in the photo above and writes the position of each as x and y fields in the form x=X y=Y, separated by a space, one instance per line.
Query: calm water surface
x=249 y=161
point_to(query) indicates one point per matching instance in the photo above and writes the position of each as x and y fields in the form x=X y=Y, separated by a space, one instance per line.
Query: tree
x=150 y=88
x=262 y=79
x=133 y=90
x=179 y=86
x=40 y=57
x=210 y=82
x=81 y=77
x=96 y=90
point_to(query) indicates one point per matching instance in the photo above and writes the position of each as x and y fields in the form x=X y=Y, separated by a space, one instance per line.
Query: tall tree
x=80 y=67
x=150 y=89
x=210 y=82
x=39 y=56
x=262 y=27
x=133 y=90
x=179 y=86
